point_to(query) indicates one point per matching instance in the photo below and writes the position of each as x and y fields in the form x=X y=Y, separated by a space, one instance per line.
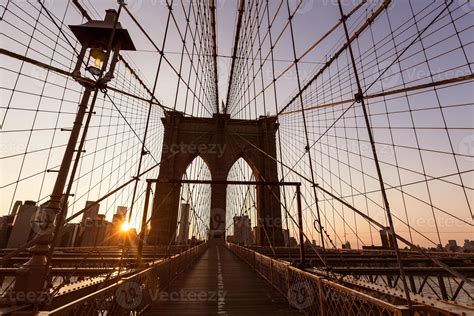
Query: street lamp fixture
x=94 y=37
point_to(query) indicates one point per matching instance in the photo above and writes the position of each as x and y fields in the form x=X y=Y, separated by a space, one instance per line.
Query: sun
x=125 y=227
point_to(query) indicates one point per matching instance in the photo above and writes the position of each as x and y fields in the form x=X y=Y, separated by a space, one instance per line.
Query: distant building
x=242 y=230
x=468 y=245
x=5 y=229
x=90 y=213
x=118 y=220
x=386 y=238
x=292 y=242
x=68 y=235
x=452 y=245
x=194 y=241
x=121 y=210
x=95 y=232
x=255 y=235
x=114 y=236
x=286 y=236
x=230 y=238
x=131 y=238
x=15 y=209
x=184 y=224
x=6 y=224
x=22 y=231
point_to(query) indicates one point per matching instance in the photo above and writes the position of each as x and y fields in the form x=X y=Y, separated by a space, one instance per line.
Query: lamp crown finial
x=110 y=15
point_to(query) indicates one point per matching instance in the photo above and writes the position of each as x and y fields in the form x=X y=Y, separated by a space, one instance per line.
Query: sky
x=333 y=170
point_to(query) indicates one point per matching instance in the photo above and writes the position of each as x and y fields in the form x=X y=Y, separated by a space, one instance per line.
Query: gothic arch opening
x=241 y=205
x=194 y=206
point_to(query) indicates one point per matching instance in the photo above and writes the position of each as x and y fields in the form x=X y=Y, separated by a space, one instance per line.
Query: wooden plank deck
x=221 y=284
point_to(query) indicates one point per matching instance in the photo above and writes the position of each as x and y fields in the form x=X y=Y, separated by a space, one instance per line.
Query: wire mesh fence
x=132 y=294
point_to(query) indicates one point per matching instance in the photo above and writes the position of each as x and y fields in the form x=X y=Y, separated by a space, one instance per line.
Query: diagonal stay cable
x=374 y=82
x=420 y=250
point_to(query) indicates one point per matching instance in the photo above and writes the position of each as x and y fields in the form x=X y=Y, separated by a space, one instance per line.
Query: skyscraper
x=286 y=236
x=96 y=232
x=242 y=230
x=5 y=229
x=122 y=211
x=184 y=224
x=22 y=230
x=386 y=238
x=92 y=212
x=68 y=235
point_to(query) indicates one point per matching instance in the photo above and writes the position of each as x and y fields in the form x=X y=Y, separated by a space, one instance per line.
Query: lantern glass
x=98 y=56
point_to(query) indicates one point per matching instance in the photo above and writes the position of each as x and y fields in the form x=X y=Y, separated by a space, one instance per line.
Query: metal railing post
x=300 y=224
x=144 y=225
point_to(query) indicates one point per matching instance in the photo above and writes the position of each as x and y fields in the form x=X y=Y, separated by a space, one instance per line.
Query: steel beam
x=225 y=182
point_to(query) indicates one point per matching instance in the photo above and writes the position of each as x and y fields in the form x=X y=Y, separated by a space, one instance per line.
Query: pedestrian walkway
x=221 y=284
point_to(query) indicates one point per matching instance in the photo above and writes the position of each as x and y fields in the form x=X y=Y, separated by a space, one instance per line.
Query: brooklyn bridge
x=245 y=157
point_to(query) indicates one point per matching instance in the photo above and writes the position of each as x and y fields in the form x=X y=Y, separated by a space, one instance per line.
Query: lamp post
x=99 y=38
